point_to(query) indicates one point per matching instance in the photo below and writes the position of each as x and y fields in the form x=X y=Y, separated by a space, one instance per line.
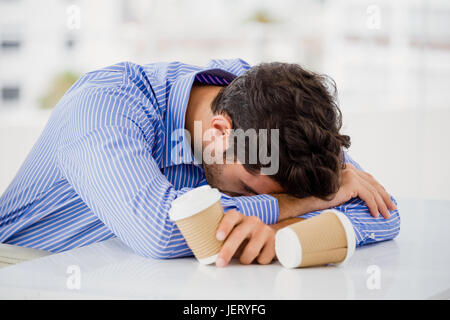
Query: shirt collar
x=177 y=147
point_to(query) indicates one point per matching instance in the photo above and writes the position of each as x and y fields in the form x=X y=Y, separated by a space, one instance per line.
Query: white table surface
x=414 y=266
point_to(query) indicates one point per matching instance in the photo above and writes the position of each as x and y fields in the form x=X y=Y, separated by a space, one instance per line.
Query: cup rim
x=193 y=202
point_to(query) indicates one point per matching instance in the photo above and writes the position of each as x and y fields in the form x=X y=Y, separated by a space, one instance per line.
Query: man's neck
x=199 y=108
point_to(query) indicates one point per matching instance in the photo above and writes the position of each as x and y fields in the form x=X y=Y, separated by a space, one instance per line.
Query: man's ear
x=222 y=124
x=220 y=129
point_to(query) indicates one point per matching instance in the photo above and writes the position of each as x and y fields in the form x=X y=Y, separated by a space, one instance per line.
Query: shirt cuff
x=263 y=206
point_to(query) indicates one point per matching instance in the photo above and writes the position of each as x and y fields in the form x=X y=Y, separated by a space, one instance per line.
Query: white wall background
x=390 y=59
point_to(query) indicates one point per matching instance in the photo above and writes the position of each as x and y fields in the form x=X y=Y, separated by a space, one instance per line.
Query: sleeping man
x=128 y=139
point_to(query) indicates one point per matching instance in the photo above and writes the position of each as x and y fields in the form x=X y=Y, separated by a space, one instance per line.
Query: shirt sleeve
x=111 y=167
x=264 y=206
x=368 y=229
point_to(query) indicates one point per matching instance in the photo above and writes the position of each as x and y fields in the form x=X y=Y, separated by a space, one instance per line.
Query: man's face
x=234 y=180
x=229 y=175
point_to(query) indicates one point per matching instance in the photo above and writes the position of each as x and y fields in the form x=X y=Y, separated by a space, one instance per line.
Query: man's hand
x=355 y=183
x=246 y=237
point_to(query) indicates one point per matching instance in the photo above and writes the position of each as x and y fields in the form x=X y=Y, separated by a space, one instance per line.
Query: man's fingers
x=229 y=220
x=254 y=247
x=369 y=199
x=231 y=245
x=381 y=191
x=381 y=205
x=386 y=198
x=241 y=248
x=267 y=254
x=391 y=205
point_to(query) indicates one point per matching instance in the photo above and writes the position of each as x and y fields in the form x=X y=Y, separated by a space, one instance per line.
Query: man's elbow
x=390 y=228
x=380 y=229
x=394 y=220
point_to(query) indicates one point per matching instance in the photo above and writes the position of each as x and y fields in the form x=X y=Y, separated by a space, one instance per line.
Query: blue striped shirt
x=104 y=166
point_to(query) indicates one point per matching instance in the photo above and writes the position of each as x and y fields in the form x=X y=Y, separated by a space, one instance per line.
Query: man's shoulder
x=128 y=87
x=110 y=76
x=129 y=74
x=124 y=83
x=111 y=96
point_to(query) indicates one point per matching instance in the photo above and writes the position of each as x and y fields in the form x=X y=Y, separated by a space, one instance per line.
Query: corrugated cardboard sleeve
x=200 y=230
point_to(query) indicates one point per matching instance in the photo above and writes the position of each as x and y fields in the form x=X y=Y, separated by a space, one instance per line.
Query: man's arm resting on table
x=360 y=197
x=354 y=183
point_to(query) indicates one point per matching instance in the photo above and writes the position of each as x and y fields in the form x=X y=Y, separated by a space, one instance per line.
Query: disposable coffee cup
x=327 y=238
x=198 y=213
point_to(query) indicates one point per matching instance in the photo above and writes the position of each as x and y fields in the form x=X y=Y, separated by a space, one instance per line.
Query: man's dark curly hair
x=302 y=105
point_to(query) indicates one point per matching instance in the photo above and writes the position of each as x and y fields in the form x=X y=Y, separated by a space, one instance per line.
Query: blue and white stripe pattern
x=104 y=167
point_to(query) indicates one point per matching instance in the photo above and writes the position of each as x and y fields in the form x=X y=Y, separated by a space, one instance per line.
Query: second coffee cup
x=327 y=238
